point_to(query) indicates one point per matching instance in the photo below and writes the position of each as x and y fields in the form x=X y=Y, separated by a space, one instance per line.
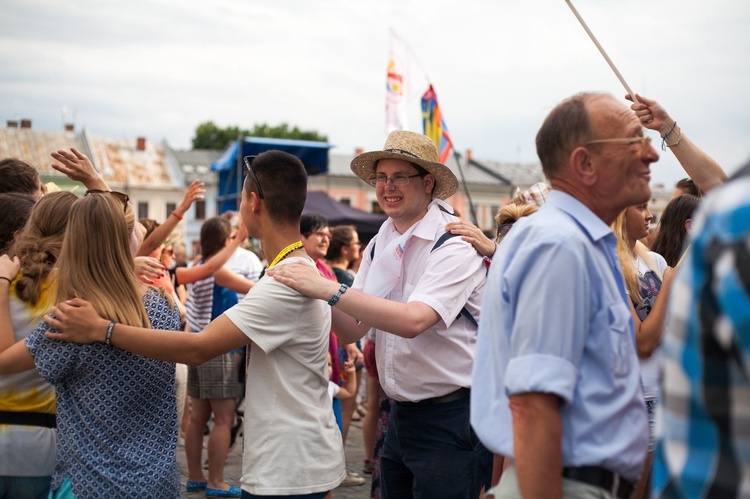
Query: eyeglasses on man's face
x=644 y=141
x=399 y=179
x=121 y=196
x=248 y=160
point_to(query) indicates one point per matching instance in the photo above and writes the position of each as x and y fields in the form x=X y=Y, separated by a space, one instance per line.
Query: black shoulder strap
x=437 y=244
x=441 y=240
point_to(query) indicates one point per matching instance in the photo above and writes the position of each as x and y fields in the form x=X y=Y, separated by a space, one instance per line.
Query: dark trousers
x=432 y=452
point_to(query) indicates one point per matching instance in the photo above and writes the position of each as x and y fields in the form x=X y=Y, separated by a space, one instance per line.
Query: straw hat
x=414 y=148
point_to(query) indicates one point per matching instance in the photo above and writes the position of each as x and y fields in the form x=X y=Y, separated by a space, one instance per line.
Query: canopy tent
x=314 y=156
x=342 y=214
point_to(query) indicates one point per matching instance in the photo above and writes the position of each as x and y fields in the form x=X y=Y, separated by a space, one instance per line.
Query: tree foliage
x=210 y=136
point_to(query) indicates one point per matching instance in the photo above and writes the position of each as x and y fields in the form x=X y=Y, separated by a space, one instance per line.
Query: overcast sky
x=158 y=69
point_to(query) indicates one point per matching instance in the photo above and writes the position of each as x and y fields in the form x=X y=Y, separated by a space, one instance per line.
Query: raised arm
x=161 y=233
x=76 y=166
x=700 y=167
x=186 y=275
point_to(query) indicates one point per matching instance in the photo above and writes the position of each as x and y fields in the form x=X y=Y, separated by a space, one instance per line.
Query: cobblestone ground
x=354 y=458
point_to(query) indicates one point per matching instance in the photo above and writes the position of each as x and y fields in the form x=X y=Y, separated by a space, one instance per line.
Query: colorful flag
x=434 y=124
x=405 y=82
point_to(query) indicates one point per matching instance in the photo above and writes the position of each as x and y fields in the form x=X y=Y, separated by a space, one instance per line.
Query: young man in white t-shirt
x=292 y=444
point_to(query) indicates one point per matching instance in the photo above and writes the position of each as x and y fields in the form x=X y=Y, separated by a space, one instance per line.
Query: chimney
x=12 y=124
x=140 y=144
x=69 y=127
x=468 y=155
x=25 y=123
x=358 y=151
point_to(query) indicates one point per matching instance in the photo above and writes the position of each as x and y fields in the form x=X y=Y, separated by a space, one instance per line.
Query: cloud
x=161 y=68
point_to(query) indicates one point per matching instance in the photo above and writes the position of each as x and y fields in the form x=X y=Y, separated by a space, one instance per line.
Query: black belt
x=459 y=394
x=28 y=419
x=602 y=478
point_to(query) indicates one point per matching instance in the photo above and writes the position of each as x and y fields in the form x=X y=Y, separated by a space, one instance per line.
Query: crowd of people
x=579 y=352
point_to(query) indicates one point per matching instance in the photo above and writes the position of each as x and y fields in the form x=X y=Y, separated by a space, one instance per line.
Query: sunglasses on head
x=118 y=195
x=248 y=160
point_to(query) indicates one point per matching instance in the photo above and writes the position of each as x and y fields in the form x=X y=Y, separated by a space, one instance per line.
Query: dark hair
x=214 y=234
x=566 y=127
x=310 y=222
x=670 y=240
x=687 y=186
x=341 y=236
x=283 y=181
x=18 y=176
x=16 y=208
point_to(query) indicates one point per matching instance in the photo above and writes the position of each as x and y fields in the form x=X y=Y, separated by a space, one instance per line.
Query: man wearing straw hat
x=557 y=385
x=422 y=294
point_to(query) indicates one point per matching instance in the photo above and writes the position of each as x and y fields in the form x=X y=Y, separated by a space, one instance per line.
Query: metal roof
x=119 y=162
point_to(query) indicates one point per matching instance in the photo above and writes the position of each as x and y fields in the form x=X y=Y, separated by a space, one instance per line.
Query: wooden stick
x=684 y=254
x=601 y=49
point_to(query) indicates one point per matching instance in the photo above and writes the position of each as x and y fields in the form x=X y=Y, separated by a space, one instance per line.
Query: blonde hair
x=38 y=246
x=511 y=213
x=625 y=255
x=95 y=263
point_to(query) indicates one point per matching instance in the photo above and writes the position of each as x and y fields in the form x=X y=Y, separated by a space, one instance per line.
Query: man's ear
x=429 y=183
x=255 y=202
x=583 y=165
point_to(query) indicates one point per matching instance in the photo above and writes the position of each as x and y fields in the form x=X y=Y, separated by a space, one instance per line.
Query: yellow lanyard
x=285 y=252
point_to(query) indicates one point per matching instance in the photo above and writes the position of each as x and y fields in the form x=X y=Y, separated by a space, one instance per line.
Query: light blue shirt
x=555 y=320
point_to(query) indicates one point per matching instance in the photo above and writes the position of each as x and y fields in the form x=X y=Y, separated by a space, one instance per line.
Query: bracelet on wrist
x=6 y=279
x=335 y=298
x=178 y=217
x=108 y=338
x=666 y=136
x=679 y=138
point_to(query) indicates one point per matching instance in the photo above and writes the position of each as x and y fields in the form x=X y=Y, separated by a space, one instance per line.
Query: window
x=170 y=208
x=375 y=208
x=200 y=209
x=346 y=201
x=142 y=209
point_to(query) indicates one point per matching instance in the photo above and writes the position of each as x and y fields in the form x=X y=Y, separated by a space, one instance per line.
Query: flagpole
x=601 y=49
x=466 y=187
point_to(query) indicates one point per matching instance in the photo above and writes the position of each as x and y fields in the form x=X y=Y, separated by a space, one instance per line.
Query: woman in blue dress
x=116 y=411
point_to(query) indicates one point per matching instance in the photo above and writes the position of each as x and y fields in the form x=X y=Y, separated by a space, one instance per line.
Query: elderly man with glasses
x=556 y=384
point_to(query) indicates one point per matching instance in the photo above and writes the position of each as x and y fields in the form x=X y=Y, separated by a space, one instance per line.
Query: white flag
x=405 y=82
